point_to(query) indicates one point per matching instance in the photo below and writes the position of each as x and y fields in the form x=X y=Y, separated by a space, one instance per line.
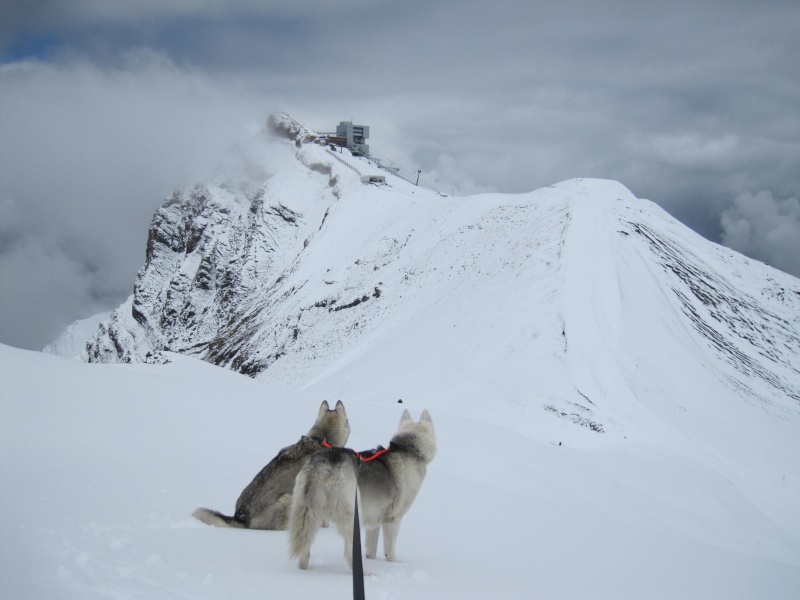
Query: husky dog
x=264 y=504
x=388 y=480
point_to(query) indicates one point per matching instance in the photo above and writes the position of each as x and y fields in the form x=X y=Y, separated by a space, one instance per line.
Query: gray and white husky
x=265 y=503
x=388 y=481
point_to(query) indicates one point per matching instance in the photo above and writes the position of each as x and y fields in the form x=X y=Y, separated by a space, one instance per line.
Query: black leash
x=358 y=568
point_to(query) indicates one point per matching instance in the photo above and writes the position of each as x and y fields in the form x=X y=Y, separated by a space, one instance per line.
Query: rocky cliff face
x=214 y=254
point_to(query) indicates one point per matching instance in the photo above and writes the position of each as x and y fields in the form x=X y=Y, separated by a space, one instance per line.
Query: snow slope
x=103 y=464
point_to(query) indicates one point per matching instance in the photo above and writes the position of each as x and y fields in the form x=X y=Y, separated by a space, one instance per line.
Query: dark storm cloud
x=765 y=228
x=690 y=104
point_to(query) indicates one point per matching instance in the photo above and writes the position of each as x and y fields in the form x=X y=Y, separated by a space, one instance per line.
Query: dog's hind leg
x=344 y=525
x=304 y=560
x=390 y=529
x=372 y=540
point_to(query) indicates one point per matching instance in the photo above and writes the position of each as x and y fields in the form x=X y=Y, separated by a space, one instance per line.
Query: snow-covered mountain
x=617 y=400
x=308 y=275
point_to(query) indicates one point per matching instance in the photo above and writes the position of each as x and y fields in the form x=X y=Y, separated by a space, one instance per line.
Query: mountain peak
x=597 y=189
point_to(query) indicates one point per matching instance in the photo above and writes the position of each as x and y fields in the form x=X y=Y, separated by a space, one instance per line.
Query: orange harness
x=370 y=454
x=375 y=454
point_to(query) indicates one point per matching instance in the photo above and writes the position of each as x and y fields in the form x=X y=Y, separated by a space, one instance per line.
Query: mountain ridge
x=298 y=277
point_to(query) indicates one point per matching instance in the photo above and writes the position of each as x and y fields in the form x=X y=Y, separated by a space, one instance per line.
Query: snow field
x=103 y=464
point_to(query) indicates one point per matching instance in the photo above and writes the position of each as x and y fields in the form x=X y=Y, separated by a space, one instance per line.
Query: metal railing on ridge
x=387 y=164
x=343 y=161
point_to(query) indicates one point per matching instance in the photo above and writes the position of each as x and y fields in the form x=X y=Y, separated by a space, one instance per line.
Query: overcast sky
x=107 y=105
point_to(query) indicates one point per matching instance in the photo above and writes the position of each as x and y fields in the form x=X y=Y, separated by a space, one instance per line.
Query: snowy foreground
x=102 y=466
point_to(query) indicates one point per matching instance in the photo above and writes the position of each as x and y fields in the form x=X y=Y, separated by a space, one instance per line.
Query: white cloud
x=44 y=288
x=86 y=155
x=765 y=228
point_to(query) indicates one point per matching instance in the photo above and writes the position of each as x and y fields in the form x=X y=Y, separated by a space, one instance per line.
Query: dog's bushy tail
x=305 y=517
x=217 y=519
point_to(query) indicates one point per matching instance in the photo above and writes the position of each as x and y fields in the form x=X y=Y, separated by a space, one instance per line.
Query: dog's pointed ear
x=405 y=417
x=340 y=407
x=426 y=416
x=323 y=408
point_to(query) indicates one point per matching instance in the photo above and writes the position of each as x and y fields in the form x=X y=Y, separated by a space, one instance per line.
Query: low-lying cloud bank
x=87 y=155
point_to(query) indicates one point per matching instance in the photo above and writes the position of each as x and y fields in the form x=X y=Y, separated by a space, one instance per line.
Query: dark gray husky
x=265 y=503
